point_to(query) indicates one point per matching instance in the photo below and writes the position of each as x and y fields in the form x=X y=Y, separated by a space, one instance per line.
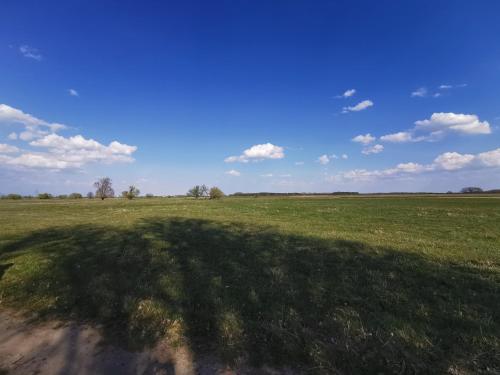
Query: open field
x=350 y=284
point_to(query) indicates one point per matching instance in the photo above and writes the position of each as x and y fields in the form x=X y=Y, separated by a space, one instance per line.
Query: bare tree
x=104 y=188
x=90 y=195
x=198 y=191
x=204 y=190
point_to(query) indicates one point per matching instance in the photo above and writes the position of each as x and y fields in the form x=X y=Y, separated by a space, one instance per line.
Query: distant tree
x=215 y=193
x=471 y=190
x=149 y=195
x=75 y=196
x=195 y=191
x=449 y=192
x=204 y=190
x=45 y=196
x=90 y=195
x=104 y=188
x=62 y=196
x=131 y=193
x=13 y=196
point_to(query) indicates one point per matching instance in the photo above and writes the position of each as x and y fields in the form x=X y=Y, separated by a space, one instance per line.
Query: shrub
x=131 y=193
x=216 y=193
x=471 y=190
x=149 y=195
x=90 y=195
x=75 y=196
x=45 y=196
x=62 y=196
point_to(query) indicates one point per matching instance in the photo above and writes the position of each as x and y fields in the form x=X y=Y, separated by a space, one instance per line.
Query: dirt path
x=56 y=348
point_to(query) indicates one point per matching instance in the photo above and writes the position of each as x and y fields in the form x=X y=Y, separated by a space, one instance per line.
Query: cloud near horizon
x=448 y=161
x=59 y=152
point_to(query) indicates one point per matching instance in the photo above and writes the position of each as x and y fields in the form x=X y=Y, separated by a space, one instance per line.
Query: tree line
x=104 y=189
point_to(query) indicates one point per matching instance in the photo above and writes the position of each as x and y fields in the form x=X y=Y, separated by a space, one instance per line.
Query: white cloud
x=421 y=92
x=323 y=159
x=73 y=92
x=347 y=93
x=438 y=125
x=267 y=175
x=9 y=114
x=453 y=160
x=344 y=156
x=258 y=153
x=399 y=137
x=373 y=150
x=358 y=107
x=364 y=139
x=12 y=136
x=448 y=87
x=448 y=161
x=299 y=163
x=490 y=158
x=233 y=172
x=30 y=52
x=455 y=122
x=60 y=152
x=34 y=127
x=5 y=148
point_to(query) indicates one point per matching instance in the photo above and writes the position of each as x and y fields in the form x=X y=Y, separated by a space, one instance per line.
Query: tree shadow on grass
x=255 y=295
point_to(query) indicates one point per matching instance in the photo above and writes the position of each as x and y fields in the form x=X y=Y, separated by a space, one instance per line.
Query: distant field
x=399 y=284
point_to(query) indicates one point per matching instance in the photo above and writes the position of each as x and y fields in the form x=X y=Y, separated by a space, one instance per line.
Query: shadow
x=253 y=295
x=4 y=268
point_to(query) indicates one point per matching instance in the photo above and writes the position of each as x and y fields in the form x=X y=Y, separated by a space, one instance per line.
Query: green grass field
x=361 y=284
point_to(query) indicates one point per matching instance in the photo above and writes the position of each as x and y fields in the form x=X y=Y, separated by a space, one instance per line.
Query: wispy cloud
x=358 y=107
x=233 y=172
x=6 y=149
x=448 y=87
x=347 y=93
x=30 y=52
x=73 y=92
x=421 y=92
x=323 y=159
x=375 y=149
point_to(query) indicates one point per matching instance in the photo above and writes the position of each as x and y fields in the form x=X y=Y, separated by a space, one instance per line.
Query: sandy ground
x=59 y=348
x=56 y=348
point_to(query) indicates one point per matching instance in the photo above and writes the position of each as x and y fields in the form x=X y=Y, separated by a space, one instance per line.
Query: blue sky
x=250 y=96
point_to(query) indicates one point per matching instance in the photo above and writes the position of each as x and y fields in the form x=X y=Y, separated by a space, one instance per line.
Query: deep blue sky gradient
x=190 y=83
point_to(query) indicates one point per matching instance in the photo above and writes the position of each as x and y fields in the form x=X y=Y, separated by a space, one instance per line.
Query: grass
x=323 y=285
